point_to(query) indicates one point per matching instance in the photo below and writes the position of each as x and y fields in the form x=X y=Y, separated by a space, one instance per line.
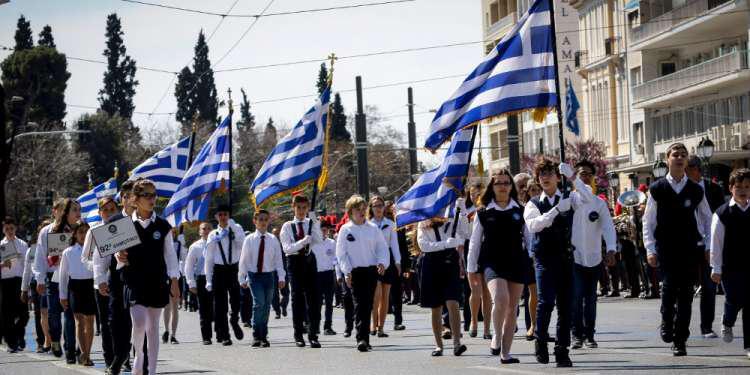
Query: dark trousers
x=280 y=297
x=15 y=313
x=205 y=307
x=303 y=275
x=102 y=308
x=632 y=266
x=246 y=305
x=226 y=291
x=526 y=299
x=737 y=293
x=397 y=301
x=263 y=285
x=36 y=300
x=584 y=301
x=677 y=291
x=708 y=298
x=348 y=302
x=326 y=284
x=56 y=315
x=120 y=326
x=364 y=282
x=554 y=282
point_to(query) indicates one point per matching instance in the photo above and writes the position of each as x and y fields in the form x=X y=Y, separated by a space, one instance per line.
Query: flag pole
x=465 y=178
x=229 y=135
x=558 y=106
x=191 y=146
x=332 y=58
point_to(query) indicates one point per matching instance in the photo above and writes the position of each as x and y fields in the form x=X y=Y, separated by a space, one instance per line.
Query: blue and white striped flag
x=89 y=201
x=166 y=168
x=209 y=169
x=298 y=157
x=571 y=111
x=519 y=74
x=437 y=189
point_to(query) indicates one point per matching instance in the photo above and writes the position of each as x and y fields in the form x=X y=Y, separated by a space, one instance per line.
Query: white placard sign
x=57 y=243
x=115 y=236
x=8 y=251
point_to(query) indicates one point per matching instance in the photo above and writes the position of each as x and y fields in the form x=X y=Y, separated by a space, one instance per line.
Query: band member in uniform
x=497 y=252
x=325 y=258
x=362 y=254
x=77 y=291
x=172 y=311
x=221 y=266
x=676 y=224
x=297 y=236
x=28 y=290
x=260 y=259
x=15 y=312
x=376 y=216
x=730 y=259
x=195 y=273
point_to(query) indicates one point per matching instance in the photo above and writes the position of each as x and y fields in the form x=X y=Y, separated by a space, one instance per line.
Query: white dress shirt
x=717 y=238
x=325 y=254
x=101 y=264
x=28 y=268
x=361 y=246
x=289 y=242
x=71 y=267
x=537 y=222
x=702 y=216
x=195 y=262
x=388 y=228
x=427 y=241
x=586 y=235
x=214 y=253
x=477 y=236
x=16 y=265
x=170 y=257
x=181 y=250
x=272 y=257
x=41 y=268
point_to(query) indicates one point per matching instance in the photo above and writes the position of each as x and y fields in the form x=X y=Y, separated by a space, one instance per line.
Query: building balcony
x=693 y=21
x=730 y=141
x=706 y=77
x=500 y=27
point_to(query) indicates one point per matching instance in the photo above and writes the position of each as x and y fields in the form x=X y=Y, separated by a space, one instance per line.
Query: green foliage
x=338 y=121
x=322 y=79
x=45 y=37
x=105 y=144
x=23 y=35
x=116 y=97
x=195 y=90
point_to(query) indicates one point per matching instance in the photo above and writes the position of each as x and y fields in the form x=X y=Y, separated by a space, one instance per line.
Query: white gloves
x=306 y=240
x=453 y=242
x=311 y=215
x=209 y=287
x=566 y=170
x=461 y=204
x=563 y=205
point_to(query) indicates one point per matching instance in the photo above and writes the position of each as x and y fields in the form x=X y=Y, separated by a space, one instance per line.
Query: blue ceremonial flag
x=166 y=168
x=207 y=173
x=298 y=157
x=571 y=111
x=519 y=74
x=437 y=189
x=89 y=201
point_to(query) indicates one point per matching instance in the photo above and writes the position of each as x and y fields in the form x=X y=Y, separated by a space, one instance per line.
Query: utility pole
x=514 y=155
x=412 y=128
x=363 y=181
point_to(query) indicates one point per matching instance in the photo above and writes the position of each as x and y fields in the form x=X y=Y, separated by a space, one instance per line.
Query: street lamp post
x=705 y=150
x=660 y=169
x=614 y=184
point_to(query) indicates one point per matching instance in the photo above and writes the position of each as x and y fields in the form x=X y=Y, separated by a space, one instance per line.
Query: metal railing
x=666 y=21
x=705 y=71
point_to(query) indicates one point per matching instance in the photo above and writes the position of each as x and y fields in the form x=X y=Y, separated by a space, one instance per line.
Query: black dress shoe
x=347 y=333
x=264 y=343
x=509 y=361
x=382 y=334
x=457 y=351
x=70 y=360
x=541 y=352
x=278 y=316
x=679 y=350
x=247 y=325
x=447 y=335
x=57 y=350
x=173 y=340
x=487 y=336
x=399 y=327
x=562 y=359
x=127 y=367
x=329 y=332
x=473 y=333
x=314 y=343
x=256 y=344
x=666 y=333
x=165 y=337
x=437 y=352
x=577 y=343
x=206 y=342
x=362 y=346
x=494 y=351
x=238 y=331
x=227 y=342
x=300 y=342
x=530 y=337
x=283 y=311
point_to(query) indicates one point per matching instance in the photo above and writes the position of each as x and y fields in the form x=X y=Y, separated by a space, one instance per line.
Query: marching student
x=172 y=311
x=195 y=274
x=281 y=296
x=715 y=198
x=440 y=274
x=77 y=291
x=261 y=266
x=376 y=216
x=549 y=221
x=107 y=210
x=676 y=224
x=221 y=266
x=297 y=235
x=730 y=258
x=15 y=312
x=28 y=290
x=325 y=258
x=591 y=222
x=530 y=296
x=478 y=296
x=362 y=254
x=150 y=274
x=496 y=250
x=48 y=278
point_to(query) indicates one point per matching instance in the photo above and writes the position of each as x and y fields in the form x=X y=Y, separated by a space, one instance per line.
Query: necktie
x=300 y=231
x=261 y=250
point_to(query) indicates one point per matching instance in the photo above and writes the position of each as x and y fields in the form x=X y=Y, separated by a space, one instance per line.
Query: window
x=635 y=76
x=742 y=107
x=503 y=144
x=667 y=126
x=700 y=118
x=494 y=144
x=679 y=127
x=494 y=14
x=638 y=133
x=689 y=121
x=667 y=67
x=710 y=116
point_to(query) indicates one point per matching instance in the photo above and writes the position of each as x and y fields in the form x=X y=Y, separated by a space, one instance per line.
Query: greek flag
x=519 y=74
x=437 y=189
x=89 y=201
x=298 y=157
x=571 y=111
x=166 y=168
x=209 y=169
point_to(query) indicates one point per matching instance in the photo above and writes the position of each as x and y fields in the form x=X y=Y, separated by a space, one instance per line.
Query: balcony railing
x=666 y=21
x=502 y=23
x=681 y=79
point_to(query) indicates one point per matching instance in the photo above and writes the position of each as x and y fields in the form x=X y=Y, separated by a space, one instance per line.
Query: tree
x=269 y=135
x=45 y=37
x=23 y=35
x=322 y=79
x=338 y=121
x=195 y=90
x=116 y=97
x=105 y=143
x=185 y=107
x=592 y=151
x=250 y=156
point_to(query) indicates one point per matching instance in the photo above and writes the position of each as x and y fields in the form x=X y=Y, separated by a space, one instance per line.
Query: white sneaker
x=727 y=335
x=710 y=335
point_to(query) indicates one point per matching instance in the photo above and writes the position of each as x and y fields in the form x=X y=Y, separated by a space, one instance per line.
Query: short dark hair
x=299 y=198
x=739 y=175
x=222 y=208
x=9 y=221
x=676 y=146
x=586 y=164
x=127 y=186
x=261 y=212
x=489 y=192
x=545 y=164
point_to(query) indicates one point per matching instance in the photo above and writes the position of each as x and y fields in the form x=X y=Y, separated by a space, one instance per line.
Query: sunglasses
x=378 y=206
x=501 y=184
x=147 y=195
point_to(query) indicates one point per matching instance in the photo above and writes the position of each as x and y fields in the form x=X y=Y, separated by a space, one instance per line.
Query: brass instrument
x=628 y=222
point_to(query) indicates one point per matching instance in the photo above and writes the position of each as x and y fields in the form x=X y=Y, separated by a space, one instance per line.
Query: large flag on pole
x=518 y=75
x=298 y=157
x=207 y=173
x=437 y=189
x=166 y=168
x=89 y=201
x=571 y=111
